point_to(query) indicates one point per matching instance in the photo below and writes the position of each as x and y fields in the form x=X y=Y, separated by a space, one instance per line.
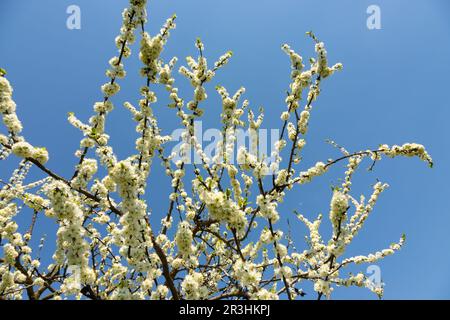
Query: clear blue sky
x=394 y=89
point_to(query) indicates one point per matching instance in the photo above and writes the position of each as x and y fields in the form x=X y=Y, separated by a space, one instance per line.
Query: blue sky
x=393 y=89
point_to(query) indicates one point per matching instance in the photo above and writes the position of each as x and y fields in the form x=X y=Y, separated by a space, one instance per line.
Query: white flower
x=10 y=254
x=246 y=273
x=23 y=149
x=183 y=238
x=40 y=155
x=318 y=169
x=12 y=123
x=193 y=288
x=338 y=207
x=323 y=287
x=285 y=116
x=110 y=89
x=303 y=122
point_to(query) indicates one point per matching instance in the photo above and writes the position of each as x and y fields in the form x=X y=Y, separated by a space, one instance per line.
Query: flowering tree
x=218 y=238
